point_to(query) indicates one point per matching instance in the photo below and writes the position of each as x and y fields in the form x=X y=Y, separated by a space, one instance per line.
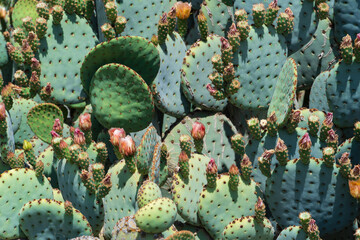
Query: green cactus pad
x=258 y=78
x=46 y=219
x=217 y=143
x=186 y=191
x=18 y=112
x=293 y=233
x=248 y=228
x=7 y=143
x=318 y=189
x=148 y=192
x=73 y=190
x=61 y=54
x=17 y=188
x=116 y=83
x=41 y=120
x=135 y=52
x=166 y=87
x=219 y=206
x=4 y=58
x=218 y=15
x=285 y=92
x=315 y=56
x=182 y=235
x=306 y=113
x=353 y=148
x=343 y=93
x=121 y=200
x=195 y=71
x=50 y=163
x=318 y=97
x=57 y=195
x=24 y=8
x=156 y=216
x=145 y=151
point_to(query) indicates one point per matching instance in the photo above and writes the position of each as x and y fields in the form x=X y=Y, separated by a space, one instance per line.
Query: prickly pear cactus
x=134 y=100
x=217 y=143
x=19 y=181
x=318 y=98
x=23 y=9
x=50 y=219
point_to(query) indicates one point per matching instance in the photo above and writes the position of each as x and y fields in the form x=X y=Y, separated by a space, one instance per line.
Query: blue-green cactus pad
x=306 y=113
x=41 y=120
x=318 y=97
x=292 y=233
x=167 y=124
x=135 y=52
x=285 y=92
x=166 y=87
x=158 y=171
x=7 y=142
x=61 y=54
x=142 y=16
x=219 y=16
x=248 y=228
x=219 y=206
x=18 y=113
x=196 y=68
x=346 y=19
x=121 y=200
x=24 y=8
x=315 y=56
x=73 y=190
x=57 y=195
x=217 y=143
x=353 y=148
x=121 y=98
x=186 y=191
x=315 y=188
x=145 y=151
x=343 y=93
x=50 y=164
x=19 y=186
x=259 y=62
x=305 y=20
x=46 y=219
x=4 y=58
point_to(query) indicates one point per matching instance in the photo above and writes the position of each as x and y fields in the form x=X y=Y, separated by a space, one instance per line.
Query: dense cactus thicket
x=194 y=120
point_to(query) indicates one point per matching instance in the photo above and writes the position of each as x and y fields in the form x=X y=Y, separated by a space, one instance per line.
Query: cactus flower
x=198 y=131
x=2 y=12
x=305 y=142
x=127 y=146
x=2 y=111
x=344 y=159
x=115 y=135
x=79 y=137
x=280 y=146
x=211 y=167
x=312 y=226
x=27 y=145
x=183 y=10
x=85 y=122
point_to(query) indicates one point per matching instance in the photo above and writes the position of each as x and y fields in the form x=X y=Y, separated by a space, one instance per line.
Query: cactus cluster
x=197 y=119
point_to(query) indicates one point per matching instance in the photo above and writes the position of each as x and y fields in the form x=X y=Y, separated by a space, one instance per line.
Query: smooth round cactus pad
x=41 y=120
x=121 y=98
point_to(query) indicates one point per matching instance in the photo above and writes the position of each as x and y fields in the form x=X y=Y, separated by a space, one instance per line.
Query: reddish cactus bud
x=54 y=134
x=224 y=43
x=2 y=111
x=344 y=159
x=127 y=146
x=234 y=170
x=329 y=119
x=85 y=122
x=305 y=142
x=57 y=127
x=79 y=137
x=115 y=135
x=211 y=167
x=198 y=131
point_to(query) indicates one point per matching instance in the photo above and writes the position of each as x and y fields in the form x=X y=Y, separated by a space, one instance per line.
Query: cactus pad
x=16 y=189
x=166 y=87
x=186 y=191
x=318 y=97
x=123 y=86
x=61 y=54
x=135 y=52
x=156 y=216
x=46 y=219
x=24 y=8
x=217 y=143
x=41 y=120
x=318 y=189
x=285 y=91
x=148 y=192
x=195 y=71
x=292 y=233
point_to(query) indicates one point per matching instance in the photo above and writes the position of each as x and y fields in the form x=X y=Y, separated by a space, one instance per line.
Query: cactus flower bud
x=305 y=148
x=260 y=210
x=185 y=144
x=226 y=51
x=326 y=126
x=54 y=134
x=2 y=12
x=2 y=111
x=346 y=49
x=241 y=15
x=68 y=208
x=281 y=152
x=233 y=177
x=313 y=230
x=258 y=14
x=79 y=137
x=85 y=122
x=357 y=48
x=88 y=181
x=211 y=173
x=171 y=20
x=39 y=168
x=203 y=27
x=218 y=95
x=27 y=145
x=265 y=162
x=354 y=185
x=198 y=130
x=104 y=187
x=115 y=135
x=272 y=125
x=246 y=168
x=184 y=164
x=57 y=127
x=127 y=146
